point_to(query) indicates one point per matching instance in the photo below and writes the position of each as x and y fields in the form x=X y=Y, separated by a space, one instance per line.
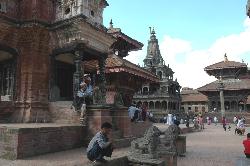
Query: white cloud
x=188 y=63
x=136 y=57
x=190 y=69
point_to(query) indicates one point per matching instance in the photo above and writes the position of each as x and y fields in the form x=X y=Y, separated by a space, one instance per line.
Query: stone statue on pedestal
x=154 y=148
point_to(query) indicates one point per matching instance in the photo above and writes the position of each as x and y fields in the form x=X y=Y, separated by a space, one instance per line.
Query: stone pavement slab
x=214 y=147
x=74 y=157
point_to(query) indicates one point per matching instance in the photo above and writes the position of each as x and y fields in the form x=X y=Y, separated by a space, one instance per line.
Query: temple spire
x=153 y=56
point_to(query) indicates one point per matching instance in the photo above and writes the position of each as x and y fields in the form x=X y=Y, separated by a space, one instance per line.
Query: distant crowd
x=139 y=113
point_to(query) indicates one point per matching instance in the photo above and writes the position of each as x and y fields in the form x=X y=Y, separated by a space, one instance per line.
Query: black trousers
x=97 y=152
x=247 y=155
x=224 y=127
x=136 y=115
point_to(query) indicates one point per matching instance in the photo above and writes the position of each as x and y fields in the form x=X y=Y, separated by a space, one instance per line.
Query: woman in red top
x=246 y=144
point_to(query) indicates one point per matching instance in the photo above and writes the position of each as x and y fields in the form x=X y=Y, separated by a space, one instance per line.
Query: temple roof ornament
x=225 y=65
x=225 y=57
x=124 y=43
x=110 y=24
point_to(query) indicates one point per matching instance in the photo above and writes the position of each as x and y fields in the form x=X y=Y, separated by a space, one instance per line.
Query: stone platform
x=72 y=157
x=19 y=141
x=25 y=140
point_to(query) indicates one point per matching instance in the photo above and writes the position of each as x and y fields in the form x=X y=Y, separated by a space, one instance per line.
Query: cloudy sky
x=192 y=33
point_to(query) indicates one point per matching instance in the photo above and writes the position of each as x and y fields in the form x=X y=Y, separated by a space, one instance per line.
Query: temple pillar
x=237 y=105
x=78 y=75
x=167 y=106
x=102 y=85
x=221 y=87
x=245 y=104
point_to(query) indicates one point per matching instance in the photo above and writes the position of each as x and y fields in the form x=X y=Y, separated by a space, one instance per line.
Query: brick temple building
x=162 y=97
x=233 y=79
x=193 y=102
x=46 y=46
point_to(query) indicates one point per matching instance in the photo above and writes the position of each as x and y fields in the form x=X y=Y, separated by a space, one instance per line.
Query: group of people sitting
x=240 y=125
x=138 y=112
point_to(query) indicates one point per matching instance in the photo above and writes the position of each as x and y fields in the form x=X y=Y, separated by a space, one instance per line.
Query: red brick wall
x=43 y=10
x=32 y=77
x=25 y=142
x=33 y=72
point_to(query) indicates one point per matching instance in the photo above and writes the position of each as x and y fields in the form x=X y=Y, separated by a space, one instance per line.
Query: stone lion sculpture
x=168 y=142
x=146 y=147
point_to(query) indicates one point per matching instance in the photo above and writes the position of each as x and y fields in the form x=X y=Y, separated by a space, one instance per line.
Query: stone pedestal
x=181 y=144
x=128 y=128
x=146 y=162
x=96 y=115
x=62 y=112
x=170 y=159
x=123 y=129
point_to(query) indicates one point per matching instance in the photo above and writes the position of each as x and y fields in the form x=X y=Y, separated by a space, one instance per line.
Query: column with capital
x=77 y=77
x=102 y=85
x=221 y=88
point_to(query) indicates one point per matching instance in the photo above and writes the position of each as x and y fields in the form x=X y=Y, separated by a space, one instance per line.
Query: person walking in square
x=215 y=120
x=224 y=123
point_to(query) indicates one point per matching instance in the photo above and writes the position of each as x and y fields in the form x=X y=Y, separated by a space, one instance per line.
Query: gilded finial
x=111 y=24
x=153 y=31
x=225 y=57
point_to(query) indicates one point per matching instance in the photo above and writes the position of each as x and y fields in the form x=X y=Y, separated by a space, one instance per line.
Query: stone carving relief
x=118 y=101
x=154 y=146
x=146 y=147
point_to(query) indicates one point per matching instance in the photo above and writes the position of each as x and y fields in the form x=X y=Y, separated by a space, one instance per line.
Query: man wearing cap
x=86 y=91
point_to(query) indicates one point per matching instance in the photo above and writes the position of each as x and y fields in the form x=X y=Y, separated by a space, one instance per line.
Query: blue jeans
x=97 y=152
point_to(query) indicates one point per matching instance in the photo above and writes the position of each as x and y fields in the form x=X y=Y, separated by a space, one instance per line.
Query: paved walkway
x=211 y=147
x=214 y=147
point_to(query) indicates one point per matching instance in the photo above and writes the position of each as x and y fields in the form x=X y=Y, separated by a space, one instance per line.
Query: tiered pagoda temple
x=162 y=97
x=233 y=80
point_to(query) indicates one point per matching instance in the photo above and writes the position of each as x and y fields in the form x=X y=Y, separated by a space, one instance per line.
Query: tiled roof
x=117 y=64
x=193 y=95
x=229 y=84
x=116 y=32
x=226 y=64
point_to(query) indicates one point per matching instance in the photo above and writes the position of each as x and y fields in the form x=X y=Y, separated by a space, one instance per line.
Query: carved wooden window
x=3 y=7
x=7 y=74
